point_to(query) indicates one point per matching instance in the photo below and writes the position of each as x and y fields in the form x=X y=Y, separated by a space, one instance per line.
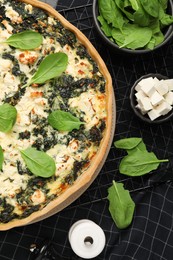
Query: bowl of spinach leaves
x=135 y=26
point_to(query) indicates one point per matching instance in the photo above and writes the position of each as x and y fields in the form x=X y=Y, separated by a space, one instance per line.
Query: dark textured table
x=150 y=236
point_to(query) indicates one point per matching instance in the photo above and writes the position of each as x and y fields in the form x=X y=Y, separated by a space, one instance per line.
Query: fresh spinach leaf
x=127 y=14
x=1 y=157
x=164 y=4
x=111 y=13
x=136 y=37
x=118 y=36
x=106 y=28
x=151 y=7
x=134 y=4
x=151 y=44
x=121 y=205
x=8 y=115
x=25 y=40
x=127 y=143
x=131 y=145
x=38 y=162
x=52 y=66
x=139 y=163
x=158 y=38
x=140 y=147
x=165 y=19
x=141 y=17
x=64 y=121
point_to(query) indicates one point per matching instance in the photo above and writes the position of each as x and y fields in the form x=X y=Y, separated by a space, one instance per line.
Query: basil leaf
x=121 y=205
x=8 y=115
x=52 y=66
x=64 y=121
x=1 y=157
x=38 y=162
x=139 y=163
x=25 y=40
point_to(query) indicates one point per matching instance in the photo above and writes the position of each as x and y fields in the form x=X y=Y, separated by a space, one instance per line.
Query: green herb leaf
x=25 y=40
x=121 y=205
x=105 y=26
x=64 y=121
x=118 y=36
x=111 y=13
x=127 y=143
x=52 y=66
x=38 y=162
x=8 y=115
x=165 y=19
x=136 y=37
x=124 y=7
x=163 y=4
x=151 y=7
x=139 y=163
x=131 y=145
x=1 y=157
x=141 y=17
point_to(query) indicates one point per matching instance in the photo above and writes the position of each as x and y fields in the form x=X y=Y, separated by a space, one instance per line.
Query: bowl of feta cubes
x=151 y=98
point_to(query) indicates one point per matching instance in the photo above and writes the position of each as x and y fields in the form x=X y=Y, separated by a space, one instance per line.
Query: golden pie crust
x=85 y=179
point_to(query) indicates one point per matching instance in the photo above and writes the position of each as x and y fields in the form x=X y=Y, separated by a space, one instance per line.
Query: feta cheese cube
x=140 y=95
x=143 y=112
x=169 y=98
x=156 y=80
x=163 y=108
x=156 y=98
x=145 y=104
x=169 y=83
x=147 y=86
x=153 y=114
x=161 y=87
x=137 y=87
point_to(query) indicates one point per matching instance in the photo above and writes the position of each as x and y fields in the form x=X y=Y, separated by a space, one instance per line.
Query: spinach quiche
x=57 y=112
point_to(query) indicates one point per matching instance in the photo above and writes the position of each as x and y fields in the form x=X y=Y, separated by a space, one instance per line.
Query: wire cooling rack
x=124 y=71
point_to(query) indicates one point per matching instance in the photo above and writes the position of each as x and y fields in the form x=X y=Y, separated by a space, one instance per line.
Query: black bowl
x=137 y=112
x=168 y=32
